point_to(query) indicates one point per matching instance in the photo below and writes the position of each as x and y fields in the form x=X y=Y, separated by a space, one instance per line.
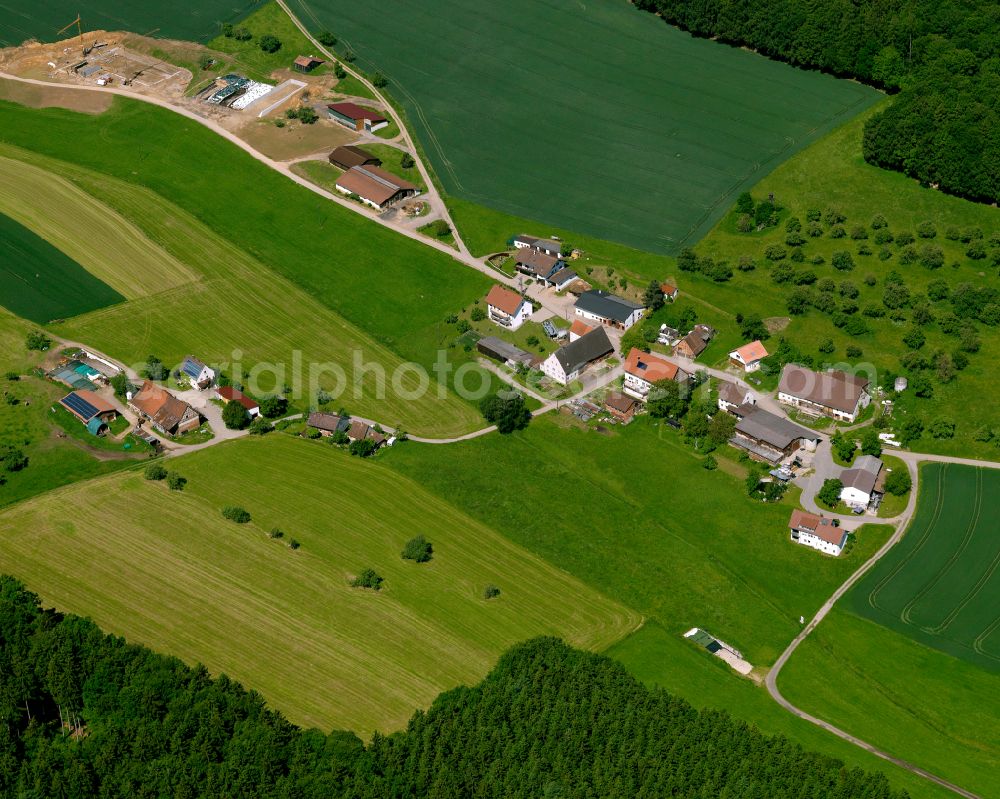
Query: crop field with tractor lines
x=644 y=136
x=940 y=584
x=22 y=20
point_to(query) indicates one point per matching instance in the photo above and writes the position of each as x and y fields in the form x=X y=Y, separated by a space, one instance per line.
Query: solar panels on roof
x=79 y=406
x=192 y=368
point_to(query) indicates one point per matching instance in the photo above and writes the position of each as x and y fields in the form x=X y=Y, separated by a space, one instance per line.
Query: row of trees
x=941 y=54
x=548 y=721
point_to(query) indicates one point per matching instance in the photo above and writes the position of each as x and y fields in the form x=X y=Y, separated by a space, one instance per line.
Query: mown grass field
x=166 y=569
x=40 y=282
x=939 y=585
x=909 y=699
x=279 y=279
x=660 y=658
x=107 y=246
x=23 y=20
x=390 y=286
x=643 y=136
x=633 y=514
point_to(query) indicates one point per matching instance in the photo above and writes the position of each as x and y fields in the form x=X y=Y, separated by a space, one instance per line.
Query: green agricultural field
x=913 y=701
x=314 y=264
x=22 y=20
x=286 y=622
x=385 y=283
x=41 y=283
x=660 y=658
x=940 y=583
x=633 y=514
x=643 y=136
x=103 y=242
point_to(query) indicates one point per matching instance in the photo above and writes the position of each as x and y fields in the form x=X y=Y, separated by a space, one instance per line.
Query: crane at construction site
x=79 y=28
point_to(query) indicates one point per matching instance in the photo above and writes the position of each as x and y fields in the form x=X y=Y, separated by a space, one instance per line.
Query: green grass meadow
x=249 y=59
x=41 y=283
x=913 y=701
x=619 y=126
x=940 y=584
x=832 y=174
x=632 y=513
x=277 y=270
x=23 y=20
x=665 y=659
x=286 y=622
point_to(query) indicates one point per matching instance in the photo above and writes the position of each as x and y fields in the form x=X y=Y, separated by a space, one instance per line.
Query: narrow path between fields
x=912 y=461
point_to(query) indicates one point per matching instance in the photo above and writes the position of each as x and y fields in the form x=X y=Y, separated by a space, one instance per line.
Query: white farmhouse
x=836 y=394
x=817 y=532
x=507 y=308
x=860 y=481
x=642 y=369
x=608 y=309
x=565 y=364
x=197 y=373
x=749 y=356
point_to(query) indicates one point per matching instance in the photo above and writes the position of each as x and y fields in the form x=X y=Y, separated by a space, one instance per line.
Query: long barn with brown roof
x=375 y=186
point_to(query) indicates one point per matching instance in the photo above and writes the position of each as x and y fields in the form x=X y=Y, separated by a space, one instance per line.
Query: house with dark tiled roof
x=566 y=363
x=768 y=437
x=348 y=156
x=549 y=270
x=328 y=423
x=733 y=395
x=609 y=309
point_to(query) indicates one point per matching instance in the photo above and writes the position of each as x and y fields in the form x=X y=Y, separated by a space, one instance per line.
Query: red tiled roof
x=228 y=393
x=579 y=328
x=504 y=299
x=355 y=111
x=650 y=367
x=819 y=526
x=668 y=288
x=754 y=351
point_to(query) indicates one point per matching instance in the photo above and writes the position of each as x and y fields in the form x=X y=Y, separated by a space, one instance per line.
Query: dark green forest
x=943 y=56
x=84 y=714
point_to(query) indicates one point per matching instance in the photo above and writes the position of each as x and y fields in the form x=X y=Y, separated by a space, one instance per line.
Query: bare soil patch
x=294 y=141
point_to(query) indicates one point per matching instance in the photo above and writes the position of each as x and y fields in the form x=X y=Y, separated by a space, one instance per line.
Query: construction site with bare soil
x=265 y=113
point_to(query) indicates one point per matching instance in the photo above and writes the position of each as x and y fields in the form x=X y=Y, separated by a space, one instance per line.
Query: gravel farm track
x=464 y=256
